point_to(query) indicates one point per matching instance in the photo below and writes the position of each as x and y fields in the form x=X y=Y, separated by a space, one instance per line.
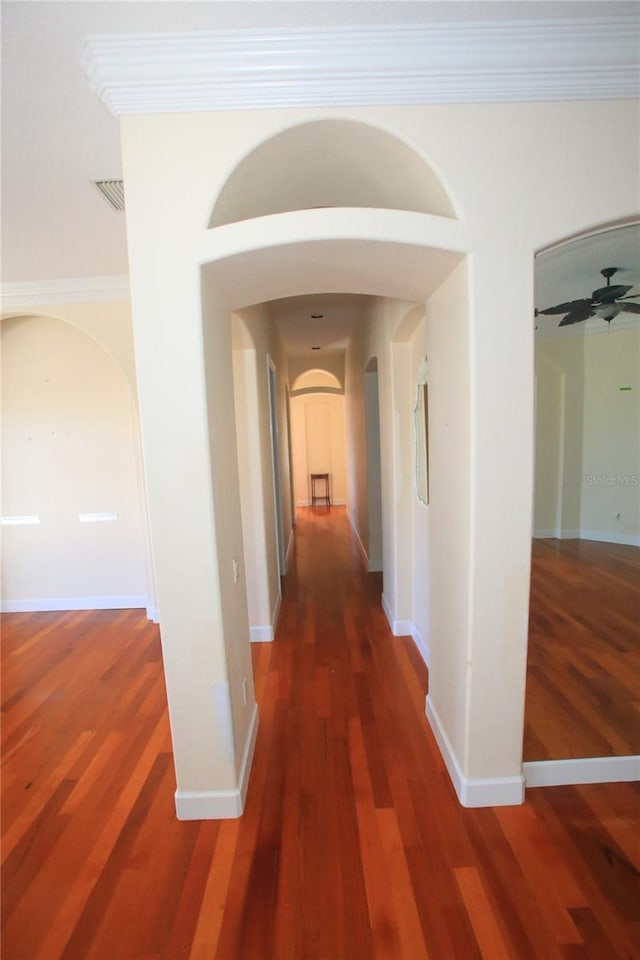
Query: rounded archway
x=317 y=380
x=331 y=163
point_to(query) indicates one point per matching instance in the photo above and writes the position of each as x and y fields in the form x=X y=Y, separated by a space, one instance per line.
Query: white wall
x=422 y=542
x=255 y=341
x=69 y=447
x=610 y=507
x=445 y=559
x=318 y=444
x=514 y=198
x=587 y=436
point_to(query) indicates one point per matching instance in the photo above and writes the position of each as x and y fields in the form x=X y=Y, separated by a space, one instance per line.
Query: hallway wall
x=254 y=341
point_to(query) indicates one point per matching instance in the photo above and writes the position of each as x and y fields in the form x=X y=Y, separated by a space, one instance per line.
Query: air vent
x=113 y=191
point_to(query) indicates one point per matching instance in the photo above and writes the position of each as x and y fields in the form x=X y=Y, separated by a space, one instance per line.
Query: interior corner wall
x=70 y=458
x=559 y=427
x=610 y=503
x=587 y=430
x=441 y=576
x=218 y=368
x=255 y=462
x=355 y=435
x=422 y=544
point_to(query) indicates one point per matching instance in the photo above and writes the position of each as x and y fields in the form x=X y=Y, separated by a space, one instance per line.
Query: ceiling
x=58 y=137
x=571 y=271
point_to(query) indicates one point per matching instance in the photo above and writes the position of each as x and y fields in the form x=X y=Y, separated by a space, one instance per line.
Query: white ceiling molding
x=488 y=61
x=20 y=296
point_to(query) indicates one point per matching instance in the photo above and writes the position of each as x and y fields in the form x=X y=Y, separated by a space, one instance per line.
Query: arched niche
x=316 y=380
x=331 y=163
x=71 y=464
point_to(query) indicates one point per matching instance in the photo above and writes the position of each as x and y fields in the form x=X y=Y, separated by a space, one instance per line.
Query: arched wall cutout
x=331 y=162
x=21 y=315
x=316 y=379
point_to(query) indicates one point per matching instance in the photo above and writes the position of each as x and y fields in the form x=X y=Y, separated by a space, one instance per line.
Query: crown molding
x=19 y=296
x=469 y=62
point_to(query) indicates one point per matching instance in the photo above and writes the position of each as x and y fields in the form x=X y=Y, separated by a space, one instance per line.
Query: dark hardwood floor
x=583 y=671
x=352 y=845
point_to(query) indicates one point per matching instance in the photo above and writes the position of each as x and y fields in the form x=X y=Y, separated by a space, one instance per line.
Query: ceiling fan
x=606 y=303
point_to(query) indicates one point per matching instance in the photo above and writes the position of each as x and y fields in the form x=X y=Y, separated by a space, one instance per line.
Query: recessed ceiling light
x=315 y=348
x=316 y=316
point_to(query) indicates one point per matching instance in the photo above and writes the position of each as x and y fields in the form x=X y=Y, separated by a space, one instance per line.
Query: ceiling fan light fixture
x=607 y=311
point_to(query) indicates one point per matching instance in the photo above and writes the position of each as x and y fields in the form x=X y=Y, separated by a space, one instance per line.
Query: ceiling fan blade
x=630 y=308
x=609 y=294
x=578 y=314
x=566 y=307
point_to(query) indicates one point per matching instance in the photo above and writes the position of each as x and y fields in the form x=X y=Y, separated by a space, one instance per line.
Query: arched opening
x=316 y=380
x=331 y=163
x=586 y=506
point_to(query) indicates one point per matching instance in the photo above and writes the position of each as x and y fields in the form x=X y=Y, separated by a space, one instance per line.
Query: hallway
x=352 y=845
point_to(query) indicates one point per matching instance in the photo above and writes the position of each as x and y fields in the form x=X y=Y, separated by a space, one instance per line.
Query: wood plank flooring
x=352 y=846
x=583 y=671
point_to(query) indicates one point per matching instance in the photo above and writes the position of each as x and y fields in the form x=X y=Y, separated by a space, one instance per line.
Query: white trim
x=557 y=773
x=267 y=633
x=360 y=544
x=627 y=539
x=18 y=296
x=289 y=547
x=423 y=647
x=479 y=791
x=462 y=62
x=153 y=614
x=221 y=804
x=275 y=613
x=399 y=628
x=51 y=604
x=406 y=628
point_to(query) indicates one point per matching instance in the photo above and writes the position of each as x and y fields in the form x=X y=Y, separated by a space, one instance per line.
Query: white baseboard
x=50 y=604
x=334 y=503
x=557 y=773
x=627 y=539
x=289 y=548
x=153 y=614
x=266 y=634
x=423 y=648
x=399 y=628
x=554 y=533
x=479 y=791
x=220 y=804
x=406 y=628
x=363 y=552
